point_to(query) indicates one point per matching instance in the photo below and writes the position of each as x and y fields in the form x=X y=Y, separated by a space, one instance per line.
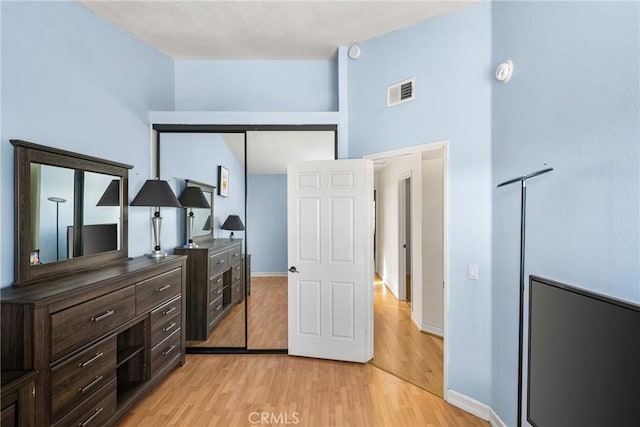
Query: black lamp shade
x=193 y=197
x=233 y=222
x=155 y=192
x=111 y=196
x=207 y=224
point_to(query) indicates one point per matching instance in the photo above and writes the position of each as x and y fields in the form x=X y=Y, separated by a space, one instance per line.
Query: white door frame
x=444 y=145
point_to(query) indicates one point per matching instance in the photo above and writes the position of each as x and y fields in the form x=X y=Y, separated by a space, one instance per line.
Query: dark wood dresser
x=99 y=339
x=214 y=284
x=18 y=399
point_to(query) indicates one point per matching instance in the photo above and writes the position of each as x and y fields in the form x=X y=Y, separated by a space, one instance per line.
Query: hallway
x=400 y=348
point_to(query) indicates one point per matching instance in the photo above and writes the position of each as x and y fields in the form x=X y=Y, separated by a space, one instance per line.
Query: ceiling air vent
x=402 y=92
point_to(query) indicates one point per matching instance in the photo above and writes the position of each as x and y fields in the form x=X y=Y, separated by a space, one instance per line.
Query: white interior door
x=330 y=252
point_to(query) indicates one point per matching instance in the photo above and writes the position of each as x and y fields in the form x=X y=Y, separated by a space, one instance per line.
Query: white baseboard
x=268 y=274
x=468 y=404
x=435 y=330
x=495 y=420
x=474 y=407
x=416 y=322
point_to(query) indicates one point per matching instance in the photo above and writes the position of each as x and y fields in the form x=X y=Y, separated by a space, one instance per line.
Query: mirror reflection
x=215 y=283
x=202 y=217
x=264 y=261
x=72 y=213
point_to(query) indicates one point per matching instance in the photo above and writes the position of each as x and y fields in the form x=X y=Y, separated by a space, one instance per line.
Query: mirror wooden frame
x=26 y=153
x=206 y=188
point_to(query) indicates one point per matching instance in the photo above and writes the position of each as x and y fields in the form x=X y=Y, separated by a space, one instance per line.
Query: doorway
x=404 y=239
x=410 y=291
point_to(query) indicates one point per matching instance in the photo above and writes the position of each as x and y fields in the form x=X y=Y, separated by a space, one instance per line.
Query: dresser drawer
x=78 y=378
x=236 y=292
x=236 y=273
x=165 y=321
x=95 y=411
x=80 y=324
x=235 y=254
x=156 y=290
x=215 y=309
x=218 y=263
x=165 y=352
x=215 y=287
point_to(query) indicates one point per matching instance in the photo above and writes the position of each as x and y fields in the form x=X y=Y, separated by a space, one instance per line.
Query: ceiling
x=268 y=152
x=267 y=29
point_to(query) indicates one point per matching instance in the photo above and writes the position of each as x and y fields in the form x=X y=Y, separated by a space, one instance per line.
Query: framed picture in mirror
x=223 y=181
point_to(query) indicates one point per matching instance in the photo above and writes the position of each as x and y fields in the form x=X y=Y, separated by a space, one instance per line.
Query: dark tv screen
x=584 y=358
x=96 y=238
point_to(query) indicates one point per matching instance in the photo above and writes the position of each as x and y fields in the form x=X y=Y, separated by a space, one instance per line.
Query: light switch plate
x=473 y=271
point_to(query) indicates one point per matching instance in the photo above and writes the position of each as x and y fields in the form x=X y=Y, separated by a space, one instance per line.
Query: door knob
x=293 y=269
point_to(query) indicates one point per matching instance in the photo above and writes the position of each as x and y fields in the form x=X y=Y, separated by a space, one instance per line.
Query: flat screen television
x=96 y=238
x=584 y=358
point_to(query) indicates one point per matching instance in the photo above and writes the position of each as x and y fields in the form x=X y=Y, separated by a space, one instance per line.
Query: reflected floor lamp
x=156 y=193
x=57 y=201
x=523 y=209
x=192 y=197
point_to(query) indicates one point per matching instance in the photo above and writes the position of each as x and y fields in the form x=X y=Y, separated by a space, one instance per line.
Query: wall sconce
x=156 y=193
x=192 y=197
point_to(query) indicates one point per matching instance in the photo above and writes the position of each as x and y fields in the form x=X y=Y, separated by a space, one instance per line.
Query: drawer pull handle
x=163 y=288
x=219 y=280
x=88 y=420
x=236 y=254
x=218 y=291
x=171 y=310
x=237 y=277
x=93 y=359
x=103 y=316
x=218 y=308
x=221 y=261
x=91 y=384
x=169 y=350
x=168 y=328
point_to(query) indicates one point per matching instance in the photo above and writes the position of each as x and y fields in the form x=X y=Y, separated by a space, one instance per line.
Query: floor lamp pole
x=57 y=201
x=523 y=223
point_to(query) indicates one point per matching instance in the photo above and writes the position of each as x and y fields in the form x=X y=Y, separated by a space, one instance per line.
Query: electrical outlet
x=473 y=271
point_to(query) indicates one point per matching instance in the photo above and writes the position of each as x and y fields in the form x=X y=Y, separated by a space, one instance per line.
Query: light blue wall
x=256 y=86
x=573 y=103
x=267 y=223
x=72 y=80
x=196 y=156
x=450 y=56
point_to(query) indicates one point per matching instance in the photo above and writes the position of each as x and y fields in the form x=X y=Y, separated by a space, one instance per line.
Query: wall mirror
x=203 y=217
x=69 y=207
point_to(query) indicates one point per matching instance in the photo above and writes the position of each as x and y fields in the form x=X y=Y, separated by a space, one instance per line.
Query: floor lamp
x=57 y=201
x=523 y=208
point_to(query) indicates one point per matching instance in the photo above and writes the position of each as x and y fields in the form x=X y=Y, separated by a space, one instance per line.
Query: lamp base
x=190 y=245
x=157 y=254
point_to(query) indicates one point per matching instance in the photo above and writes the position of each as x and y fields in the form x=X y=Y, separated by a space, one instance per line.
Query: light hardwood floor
x=268 y=313
x=228 y=333
x=267 y=319
x=234 y=390
x=400 y=348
